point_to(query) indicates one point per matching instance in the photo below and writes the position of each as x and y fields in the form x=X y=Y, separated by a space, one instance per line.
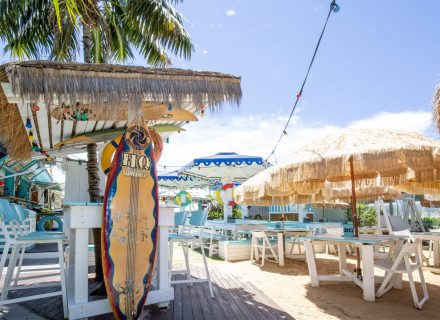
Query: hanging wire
x=334 y=7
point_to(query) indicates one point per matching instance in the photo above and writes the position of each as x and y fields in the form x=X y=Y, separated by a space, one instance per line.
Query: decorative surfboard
x=129 y=224
x=151 y=111
x=109 y=134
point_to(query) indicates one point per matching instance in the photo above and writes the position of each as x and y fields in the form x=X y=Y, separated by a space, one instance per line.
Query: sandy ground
x=289 y=287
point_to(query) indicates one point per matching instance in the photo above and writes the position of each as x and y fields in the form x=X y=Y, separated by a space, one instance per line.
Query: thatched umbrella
x=436 y=107
x=97 y=89
x=381 y=157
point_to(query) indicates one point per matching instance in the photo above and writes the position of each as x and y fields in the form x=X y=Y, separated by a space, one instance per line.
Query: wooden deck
x=234 y=299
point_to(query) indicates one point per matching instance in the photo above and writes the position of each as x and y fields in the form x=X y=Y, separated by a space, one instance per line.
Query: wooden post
x=355 y=217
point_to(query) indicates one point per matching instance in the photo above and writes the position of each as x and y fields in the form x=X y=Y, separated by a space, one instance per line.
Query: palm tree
x=110 y=31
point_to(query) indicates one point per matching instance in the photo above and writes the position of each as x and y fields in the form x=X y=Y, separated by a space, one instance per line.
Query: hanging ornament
x=335 y=7
x=28 y=123
x=31 y=136
x=35 y=108
x=167 y=140
x=170 y=107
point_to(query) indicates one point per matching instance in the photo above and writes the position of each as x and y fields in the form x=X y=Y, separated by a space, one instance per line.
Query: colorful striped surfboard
x=129 y=224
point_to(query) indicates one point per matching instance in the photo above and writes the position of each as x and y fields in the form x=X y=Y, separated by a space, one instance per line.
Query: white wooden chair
x=404 y=264
x=261 y=244
x=17 y=239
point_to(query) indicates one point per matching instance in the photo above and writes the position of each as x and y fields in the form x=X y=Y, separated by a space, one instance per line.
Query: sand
x=289 y=287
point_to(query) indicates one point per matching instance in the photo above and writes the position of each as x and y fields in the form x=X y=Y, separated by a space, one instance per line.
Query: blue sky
x=378 y=66
x=375 y=56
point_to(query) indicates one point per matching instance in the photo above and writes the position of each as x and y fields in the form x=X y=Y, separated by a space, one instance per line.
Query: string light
x=31 y=136
x=28 y=123
x=334 y=7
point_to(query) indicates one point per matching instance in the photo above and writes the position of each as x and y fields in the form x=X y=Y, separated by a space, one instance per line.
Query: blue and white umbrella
x=224 y=166
x=227 y=167
x=181 y=182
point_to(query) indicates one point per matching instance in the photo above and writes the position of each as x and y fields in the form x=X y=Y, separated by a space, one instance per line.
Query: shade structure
x=181 y=182
x=228 y=167
x=436 y=107
x=364 y=156
x=381 y=157
x=32 y=90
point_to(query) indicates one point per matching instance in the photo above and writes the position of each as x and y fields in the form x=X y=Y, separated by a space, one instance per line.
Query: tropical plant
x=215 y=209
x=366 y=215
x=110 y=30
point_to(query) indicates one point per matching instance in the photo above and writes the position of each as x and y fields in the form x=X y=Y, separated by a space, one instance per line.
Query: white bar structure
x=79 y=218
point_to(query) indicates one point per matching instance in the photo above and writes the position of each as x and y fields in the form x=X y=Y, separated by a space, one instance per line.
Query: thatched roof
x=384 y=156
x=104 y=87
x=13 y=134
x=436 y=107
x=105 y=84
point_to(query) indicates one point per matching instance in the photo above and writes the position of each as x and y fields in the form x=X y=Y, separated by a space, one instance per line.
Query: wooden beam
x=72 y=135
x=94 y=127
x=49 y=124
x=37 y=127
x=62 y=131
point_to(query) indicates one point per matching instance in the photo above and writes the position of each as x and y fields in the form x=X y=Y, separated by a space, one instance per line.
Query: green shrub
x=366 y=215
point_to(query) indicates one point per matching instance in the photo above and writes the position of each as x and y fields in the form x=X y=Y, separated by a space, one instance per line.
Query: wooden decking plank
x=228 y=298
x=250 y=308
x=196 y=304
x=187 y=310
x=261 y=298
x=210 y=309
x=177 y=303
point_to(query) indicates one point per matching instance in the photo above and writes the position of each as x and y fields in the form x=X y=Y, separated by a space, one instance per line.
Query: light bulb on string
x=31 y=136
x=285 y=132
x=28 y=123
x=335 y=7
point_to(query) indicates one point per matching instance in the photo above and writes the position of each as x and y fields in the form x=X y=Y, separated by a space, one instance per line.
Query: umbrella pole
x=355 y=217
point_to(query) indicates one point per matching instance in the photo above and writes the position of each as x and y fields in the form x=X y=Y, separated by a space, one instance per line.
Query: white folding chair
x=261 y=244
x=404 y=264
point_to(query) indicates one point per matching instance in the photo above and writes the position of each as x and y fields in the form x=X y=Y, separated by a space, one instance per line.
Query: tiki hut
x=58 y=101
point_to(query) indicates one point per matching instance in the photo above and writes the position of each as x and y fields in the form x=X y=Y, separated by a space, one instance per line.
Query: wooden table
x=79 y=218
x=432 y=236
x=281 y=236
x=366 y=245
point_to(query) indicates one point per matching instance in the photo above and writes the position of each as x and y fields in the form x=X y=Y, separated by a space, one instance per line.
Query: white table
x=236 y=227
x=79 y=218
x=432 y=236
x=366 y=244
x=281 y=236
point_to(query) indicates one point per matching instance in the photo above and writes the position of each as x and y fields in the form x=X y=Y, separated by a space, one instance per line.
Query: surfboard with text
x=129 y=224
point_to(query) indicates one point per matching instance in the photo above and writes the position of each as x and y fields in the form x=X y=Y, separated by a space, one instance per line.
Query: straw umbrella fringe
x=13 y=134
x=436 y=107
x=105 y=85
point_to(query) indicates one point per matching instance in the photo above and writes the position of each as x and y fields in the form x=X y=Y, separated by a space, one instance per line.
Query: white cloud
x=230 y=12
x=257 y=134
x=418 y=121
